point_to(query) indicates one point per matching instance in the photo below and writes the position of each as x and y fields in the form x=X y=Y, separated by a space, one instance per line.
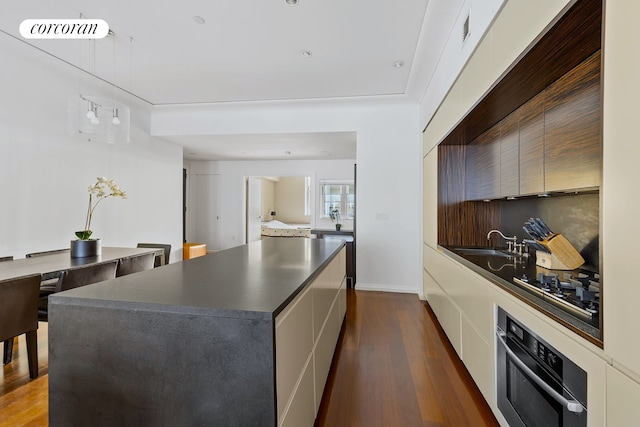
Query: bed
x=280 y=229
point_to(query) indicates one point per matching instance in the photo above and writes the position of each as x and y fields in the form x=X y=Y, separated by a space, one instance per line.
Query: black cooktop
x=576 y=292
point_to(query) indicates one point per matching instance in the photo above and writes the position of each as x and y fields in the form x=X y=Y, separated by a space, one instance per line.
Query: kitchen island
x=243 y=336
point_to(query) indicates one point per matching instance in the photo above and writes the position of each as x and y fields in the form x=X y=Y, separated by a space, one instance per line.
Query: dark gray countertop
x=501 y=272
x=256 y=280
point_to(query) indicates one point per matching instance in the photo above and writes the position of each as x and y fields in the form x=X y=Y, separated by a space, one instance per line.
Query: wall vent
x=465 y=29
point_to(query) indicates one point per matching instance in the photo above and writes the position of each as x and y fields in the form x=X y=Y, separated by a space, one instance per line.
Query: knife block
x=563 y=256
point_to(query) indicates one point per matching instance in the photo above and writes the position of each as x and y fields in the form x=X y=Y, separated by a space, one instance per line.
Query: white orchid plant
x=335 y=216
x=101 y=190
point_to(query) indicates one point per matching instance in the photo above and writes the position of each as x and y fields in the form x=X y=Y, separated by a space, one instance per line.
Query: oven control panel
x=536 y=349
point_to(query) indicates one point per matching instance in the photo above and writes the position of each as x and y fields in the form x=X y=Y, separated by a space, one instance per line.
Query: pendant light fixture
x=115 y=120
x=99 y=118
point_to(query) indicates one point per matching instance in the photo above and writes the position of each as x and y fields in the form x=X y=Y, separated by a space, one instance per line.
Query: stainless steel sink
x=484 y=252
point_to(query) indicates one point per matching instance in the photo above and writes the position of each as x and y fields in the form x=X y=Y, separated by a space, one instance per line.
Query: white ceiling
x=247 y=50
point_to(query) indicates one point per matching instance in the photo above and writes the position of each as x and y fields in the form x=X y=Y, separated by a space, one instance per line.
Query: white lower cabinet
x=323 y=353
x=301 y=412
x=465 y=289
x=307 y=331
x=294 y=344
x=478 y=357
x=449 y=318
x=623 y=400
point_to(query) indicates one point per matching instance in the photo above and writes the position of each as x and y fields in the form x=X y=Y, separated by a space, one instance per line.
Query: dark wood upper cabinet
x=532 y=146
x=483 y=166
x=509 y=155
x=573 y=123
x=552 y=143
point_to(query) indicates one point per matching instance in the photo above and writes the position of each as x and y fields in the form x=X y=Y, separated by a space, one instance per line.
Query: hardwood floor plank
x=27 y=405
x=23 y=401
x=412 y=327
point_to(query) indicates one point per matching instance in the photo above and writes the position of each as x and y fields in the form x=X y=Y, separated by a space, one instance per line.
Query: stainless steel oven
x=537 y=386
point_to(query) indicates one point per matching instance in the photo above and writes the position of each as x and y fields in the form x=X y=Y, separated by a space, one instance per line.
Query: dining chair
x=135 y=263
x=76 y=277
x=167 y=252
x=7 y=258
x=19 y=315
x=47 y=286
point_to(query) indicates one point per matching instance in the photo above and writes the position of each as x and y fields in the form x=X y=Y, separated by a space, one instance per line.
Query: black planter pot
x=85 y=248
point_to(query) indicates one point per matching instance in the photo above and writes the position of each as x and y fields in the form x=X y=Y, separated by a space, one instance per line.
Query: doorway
x=207 y=210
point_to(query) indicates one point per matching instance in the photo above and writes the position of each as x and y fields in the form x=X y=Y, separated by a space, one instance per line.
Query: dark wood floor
x=393 y=367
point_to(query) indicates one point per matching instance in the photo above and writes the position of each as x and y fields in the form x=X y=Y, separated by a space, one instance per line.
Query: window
x=337 y=195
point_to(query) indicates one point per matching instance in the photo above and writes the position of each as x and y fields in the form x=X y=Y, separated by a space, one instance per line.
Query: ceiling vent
x=465 y=30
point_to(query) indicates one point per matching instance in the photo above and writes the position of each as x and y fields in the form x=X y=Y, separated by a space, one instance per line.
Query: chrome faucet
x=510 y=240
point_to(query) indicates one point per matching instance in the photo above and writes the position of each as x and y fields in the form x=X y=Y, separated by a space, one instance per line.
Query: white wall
x=388 y=159
x=268 y=198
x=45 y=172
x=289 y=200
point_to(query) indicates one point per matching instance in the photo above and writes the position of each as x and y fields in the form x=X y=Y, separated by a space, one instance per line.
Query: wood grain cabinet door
x=509 y=156
x=532 y=146
x=483 y=166
x=573 y=127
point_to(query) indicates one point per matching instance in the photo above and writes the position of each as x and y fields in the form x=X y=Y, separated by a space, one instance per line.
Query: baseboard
x=386 y=288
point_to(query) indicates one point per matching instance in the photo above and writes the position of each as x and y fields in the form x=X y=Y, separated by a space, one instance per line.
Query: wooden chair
x=167 y=252
x=135 y=263
x=76 y=277
x=19 y=315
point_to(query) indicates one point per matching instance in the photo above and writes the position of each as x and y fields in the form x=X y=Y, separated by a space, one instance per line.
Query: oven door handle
x=571 y=405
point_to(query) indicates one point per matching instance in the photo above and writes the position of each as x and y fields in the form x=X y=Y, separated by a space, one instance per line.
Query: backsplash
x=576 y=216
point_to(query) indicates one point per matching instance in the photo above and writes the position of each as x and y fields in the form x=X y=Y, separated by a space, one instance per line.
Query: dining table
x=50 y=266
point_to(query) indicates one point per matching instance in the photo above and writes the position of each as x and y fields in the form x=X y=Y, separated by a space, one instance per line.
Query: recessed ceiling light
x=291 y=2
x=398 y=64
x=198 y=19
x=305 y=53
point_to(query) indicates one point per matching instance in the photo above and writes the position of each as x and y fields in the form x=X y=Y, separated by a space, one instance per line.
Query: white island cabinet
x=306 y=335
